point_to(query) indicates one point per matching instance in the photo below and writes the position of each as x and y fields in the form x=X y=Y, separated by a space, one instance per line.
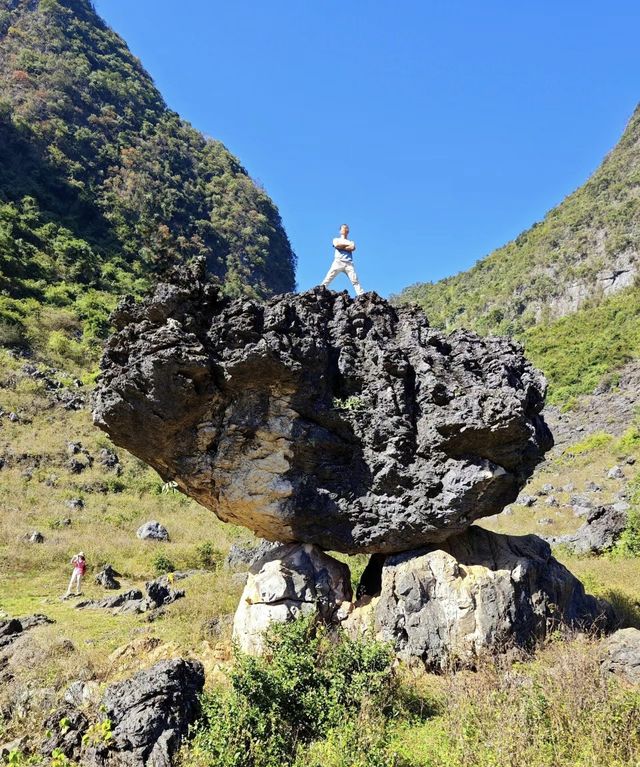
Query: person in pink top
x=79 y=568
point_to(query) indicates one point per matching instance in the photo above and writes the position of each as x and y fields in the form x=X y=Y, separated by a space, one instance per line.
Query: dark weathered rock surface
x=243 y=557
x=150 y=713
x=477 y=592
x=621 y=654
x=322 y=419
x=107 y=578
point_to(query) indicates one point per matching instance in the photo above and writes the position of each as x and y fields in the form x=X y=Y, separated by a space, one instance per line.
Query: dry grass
x=554 y=711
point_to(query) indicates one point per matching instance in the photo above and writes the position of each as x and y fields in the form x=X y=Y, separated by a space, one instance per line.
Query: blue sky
x=438 y=129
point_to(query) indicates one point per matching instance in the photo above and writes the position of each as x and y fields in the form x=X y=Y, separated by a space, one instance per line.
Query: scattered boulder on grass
x=110 y=461
x=600 y=532
x=479 y=592
x=35 y=536
x=74 y=503
x=12 y=628
x=615 y=473
x=294 y=579
x=150 y=713
x=160 y=591
x=107 y=578
x=109 y=603
x=153 y=531
x=621 y=654
x=526 y=500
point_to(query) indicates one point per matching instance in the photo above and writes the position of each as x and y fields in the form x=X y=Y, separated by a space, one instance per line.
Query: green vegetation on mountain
x=595 y=229
x=102 y=187
x=580 y=351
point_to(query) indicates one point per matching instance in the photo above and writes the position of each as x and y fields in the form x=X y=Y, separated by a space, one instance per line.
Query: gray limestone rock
x=346 y=423
x=615 y=473
x=621 y=654
x=600 y=532
x=150 y=714
x=153 y=531
x=478 y=592
x=292 y=580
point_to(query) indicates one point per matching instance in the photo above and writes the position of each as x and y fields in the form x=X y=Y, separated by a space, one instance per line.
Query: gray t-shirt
x=342 y=255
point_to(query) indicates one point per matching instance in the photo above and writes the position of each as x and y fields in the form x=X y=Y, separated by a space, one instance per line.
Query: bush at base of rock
x=310 y=683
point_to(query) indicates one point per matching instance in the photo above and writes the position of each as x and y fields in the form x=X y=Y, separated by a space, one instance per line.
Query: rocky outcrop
x=602 y=529
x=150 y=713
x=621 y=655
x=478 y=592
x=286 y=582
x=320 y=419
x=107 y=578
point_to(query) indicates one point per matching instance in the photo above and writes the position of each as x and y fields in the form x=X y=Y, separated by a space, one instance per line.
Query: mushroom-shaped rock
x=318 y=418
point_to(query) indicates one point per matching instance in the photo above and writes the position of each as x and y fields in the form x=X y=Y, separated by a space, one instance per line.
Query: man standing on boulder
x=343 y=260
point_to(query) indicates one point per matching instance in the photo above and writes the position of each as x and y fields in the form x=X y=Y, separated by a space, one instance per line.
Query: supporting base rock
x=291 y=580
x=477 y=592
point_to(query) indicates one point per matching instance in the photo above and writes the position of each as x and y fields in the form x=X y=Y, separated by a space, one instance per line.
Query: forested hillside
x=585 y=249
x=102 y=187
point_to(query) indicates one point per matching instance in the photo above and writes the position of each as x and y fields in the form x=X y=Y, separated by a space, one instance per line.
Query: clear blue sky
x=438 y=129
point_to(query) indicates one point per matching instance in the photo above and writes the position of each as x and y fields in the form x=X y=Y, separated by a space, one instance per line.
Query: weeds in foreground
x=312 y=687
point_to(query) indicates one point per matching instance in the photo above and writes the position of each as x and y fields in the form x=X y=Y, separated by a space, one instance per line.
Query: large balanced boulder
x=477 y=593
x=286 y=582
x=321 y=419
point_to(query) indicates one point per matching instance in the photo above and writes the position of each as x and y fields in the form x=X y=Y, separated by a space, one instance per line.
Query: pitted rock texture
x=150 y=714
x=288 y=581
x=322 y=419
x=479 y=592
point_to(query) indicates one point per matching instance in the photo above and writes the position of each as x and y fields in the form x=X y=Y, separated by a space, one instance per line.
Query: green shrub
x=11 y=334
x=309 y=683
x=588 y=444
x=208 y=556
x=162 y=564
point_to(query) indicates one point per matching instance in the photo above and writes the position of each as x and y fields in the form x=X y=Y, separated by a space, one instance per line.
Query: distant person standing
x=79 y=569
x=343 y=260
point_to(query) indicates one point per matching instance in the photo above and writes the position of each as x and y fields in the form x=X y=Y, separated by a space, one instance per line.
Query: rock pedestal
x=444 y=605
x=316 y=418
x=478 y=592
x=286 y=582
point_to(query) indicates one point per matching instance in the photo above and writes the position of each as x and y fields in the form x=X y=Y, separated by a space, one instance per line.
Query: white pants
x=343 y=266
x=76 y=576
